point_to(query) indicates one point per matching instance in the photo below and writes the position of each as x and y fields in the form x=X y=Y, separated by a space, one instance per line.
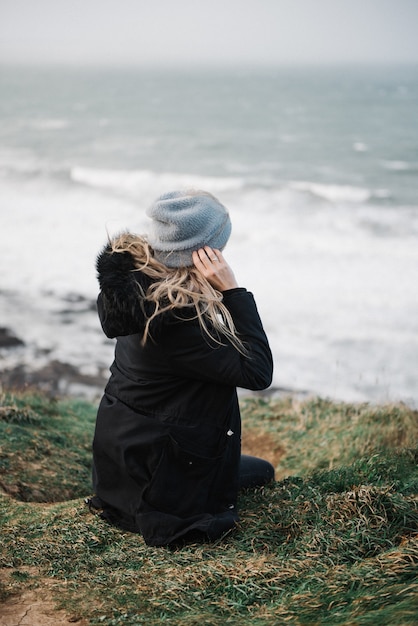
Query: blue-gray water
x=319 y=168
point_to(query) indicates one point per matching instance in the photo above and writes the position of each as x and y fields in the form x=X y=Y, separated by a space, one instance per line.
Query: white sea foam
x=334 y=193
x=400 y=166
x=49 y=124
x=360 y=146
x=137 y=182
x=21 y=161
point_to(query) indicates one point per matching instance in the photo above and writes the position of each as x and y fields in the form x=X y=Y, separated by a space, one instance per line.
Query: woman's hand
x=212 y=265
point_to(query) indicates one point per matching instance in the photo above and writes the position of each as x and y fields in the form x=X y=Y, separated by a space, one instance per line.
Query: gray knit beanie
x=183 y=221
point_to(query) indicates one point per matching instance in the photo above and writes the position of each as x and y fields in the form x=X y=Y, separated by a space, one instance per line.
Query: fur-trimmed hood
x=121 y=305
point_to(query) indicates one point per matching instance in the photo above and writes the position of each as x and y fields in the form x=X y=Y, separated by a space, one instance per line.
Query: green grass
x=334 y=541
x=45 y=447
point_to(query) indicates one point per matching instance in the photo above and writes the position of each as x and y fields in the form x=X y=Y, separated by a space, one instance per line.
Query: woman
x=166 y=448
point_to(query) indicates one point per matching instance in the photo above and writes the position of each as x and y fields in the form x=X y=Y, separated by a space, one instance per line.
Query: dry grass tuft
x=320 y=434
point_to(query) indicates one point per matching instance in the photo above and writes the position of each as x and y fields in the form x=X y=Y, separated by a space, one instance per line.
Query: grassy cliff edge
x=333 y=541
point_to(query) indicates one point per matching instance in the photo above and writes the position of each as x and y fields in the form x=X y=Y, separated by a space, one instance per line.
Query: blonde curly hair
x=178 y=288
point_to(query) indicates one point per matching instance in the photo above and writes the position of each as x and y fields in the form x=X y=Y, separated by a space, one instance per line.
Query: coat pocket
x=182 y=481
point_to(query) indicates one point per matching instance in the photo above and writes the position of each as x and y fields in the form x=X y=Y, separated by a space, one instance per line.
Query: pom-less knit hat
x=183 y=221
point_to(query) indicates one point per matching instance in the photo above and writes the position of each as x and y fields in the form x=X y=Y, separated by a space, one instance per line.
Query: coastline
x=53 y=376
x=59 y=378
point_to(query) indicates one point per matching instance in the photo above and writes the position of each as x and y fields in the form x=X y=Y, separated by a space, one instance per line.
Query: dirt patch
x=33 y=607
x=28 y=609
x=259 y=443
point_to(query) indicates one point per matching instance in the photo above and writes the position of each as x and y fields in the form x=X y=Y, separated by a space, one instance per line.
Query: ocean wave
x=360 y=146
x=49 y=124
x=339 y=193
x=400 y=166
x=27 y=172
x=133 y=181
x=22 y=163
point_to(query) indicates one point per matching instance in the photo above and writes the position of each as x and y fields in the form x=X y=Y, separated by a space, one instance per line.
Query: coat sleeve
x=192 y=355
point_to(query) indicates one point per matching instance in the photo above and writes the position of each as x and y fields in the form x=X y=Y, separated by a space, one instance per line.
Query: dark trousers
x=254 y=472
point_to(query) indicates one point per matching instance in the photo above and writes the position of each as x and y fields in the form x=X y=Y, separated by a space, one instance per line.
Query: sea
x=318 y=167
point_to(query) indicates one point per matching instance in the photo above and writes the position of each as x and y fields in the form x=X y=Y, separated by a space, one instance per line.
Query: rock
x=56 y=378
x=8 y=339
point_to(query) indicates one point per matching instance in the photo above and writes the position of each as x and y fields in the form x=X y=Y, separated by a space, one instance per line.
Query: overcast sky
x=150 y=32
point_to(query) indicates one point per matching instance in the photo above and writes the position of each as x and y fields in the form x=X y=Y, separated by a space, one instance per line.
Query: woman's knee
x=255 y=472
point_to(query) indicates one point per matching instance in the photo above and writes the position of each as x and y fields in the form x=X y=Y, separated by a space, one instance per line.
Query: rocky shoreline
x=8 y=339
x=58 y=378
x=53 y=377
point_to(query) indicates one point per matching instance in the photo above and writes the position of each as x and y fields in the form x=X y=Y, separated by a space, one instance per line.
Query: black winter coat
x=168 y=432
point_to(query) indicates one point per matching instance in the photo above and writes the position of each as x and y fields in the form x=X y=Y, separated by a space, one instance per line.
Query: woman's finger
x=211 y=263
x=211 y=254
x=215 y=256
x=207 y=256
x=201 y=260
